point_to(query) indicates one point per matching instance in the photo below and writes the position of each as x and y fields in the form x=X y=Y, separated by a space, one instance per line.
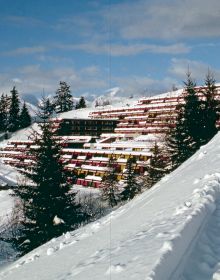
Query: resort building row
x=90 y=138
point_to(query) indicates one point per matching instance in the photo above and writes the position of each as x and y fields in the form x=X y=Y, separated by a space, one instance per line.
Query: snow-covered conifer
x=47 y=198
x=109 y=186
x=158 y=166
x=3 y=112
x=131 y=187
x=13 y=121
x=63 y=100
x=81 y=103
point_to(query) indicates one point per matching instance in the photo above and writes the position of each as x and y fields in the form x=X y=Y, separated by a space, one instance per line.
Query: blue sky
x=142 y=46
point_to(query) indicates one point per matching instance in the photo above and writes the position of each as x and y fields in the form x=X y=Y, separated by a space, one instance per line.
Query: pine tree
x=47 y=205
x=158 y=166
x=13 y=121
x=63 y=100
x=131 y=186
x=210 y=107
x=45 y=110
x=49 y=106
x=25 y=118
x=178 y=141
x=81 y=103
x=3 y=112
x=183 y=140
x=192 y=114
x=109 y=186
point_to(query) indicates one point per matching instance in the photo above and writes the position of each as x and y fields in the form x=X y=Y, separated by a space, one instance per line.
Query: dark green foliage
x=49 y=107
x=178 y=141
x=47 y=205
x=183 y=140
x=192 y=114
x=196 y=121
x=131 y=185
x=44 y=109
x=109 y=186
x=158 y=166
x=63 y=100
x=3 y=112
x=81 y=103
x=13 y=121
x=210 y=109
x=25 y=118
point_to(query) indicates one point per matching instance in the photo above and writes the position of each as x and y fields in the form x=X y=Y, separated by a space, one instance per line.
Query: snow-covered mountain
x=30 y=98
x=32 y=109
x=170 y=232
x=31 y=102
x=114 y=97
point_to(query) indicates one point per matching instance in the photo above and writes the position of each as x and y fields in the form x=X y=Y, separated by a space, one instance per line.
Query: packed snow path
x=204 y=261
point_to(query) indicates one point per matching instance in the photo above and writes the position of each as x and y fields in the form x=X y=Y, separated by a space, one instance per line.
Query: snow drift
x=153 y=237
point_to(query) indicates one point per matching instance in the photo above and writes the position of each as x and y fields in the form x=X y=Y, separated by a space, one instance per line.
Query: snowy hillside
x=8 y=174
x=113 y=95
x=169 y=232
x=21 y=134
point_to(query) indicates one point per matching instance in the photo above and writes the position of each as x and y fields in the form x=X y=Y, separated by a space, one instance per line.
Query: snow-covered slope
x=8 y=174
x=21 y=134
x=6 y=203
x=155 y=236
x=174 y=93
